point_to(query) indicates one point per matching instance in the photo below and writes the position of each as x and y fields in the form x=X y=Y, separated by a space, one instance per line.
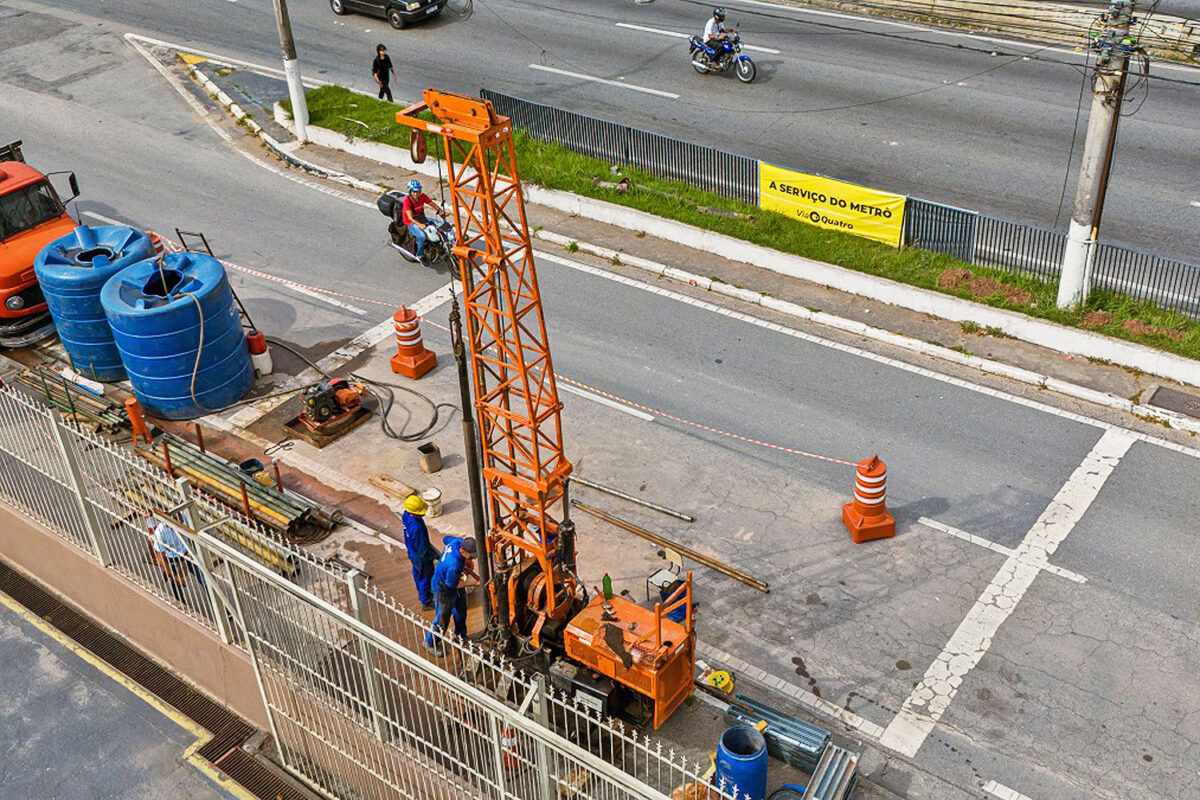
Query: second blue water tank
x=155 y=315
x=742 y=762
x=71 y=271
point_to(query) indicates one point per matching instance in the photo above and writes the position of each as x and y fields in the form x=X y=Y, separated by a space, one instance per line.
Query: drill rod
x=686 y=552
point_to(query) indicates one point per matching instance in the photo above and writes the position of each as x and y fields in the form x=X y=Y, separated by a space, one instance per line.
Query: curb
x=536 y=194
x=1045 y=334
x=984 y=365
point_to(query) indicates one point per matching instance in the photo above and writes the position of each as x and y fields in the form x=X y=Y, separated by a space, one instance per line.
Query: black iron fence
x=969 y=236
x=724 y=173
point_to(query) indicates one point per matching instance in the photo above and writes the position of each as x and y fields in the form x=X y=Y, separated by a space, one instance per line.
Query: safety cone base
x=414 y=365
x=865 y=529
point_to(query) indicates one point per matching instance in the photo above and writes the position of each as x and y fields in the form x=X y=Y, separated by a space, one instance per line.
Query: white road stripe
x=606 y=81
x=104 y=219
x=933 y=695
x=998 y=548
x=604 y=401
x=339 y=358
x=1003 y=792
x=678 y=35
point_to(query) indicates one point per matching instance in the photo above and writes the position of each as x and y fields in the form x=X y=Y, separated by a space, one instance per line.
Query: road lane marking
x=606 y=81
x=678 y=35
x=604 y=401
x=931 y=697
x=868 y=355
x=998 y=548
x=999 y=790
x=338 y=358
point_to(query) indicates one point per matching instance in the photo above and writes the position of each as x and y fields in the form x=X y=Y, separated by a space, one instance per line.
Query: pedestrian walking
x=383 y=71
x=173 y=557
x=420 y=552
x=449 y=596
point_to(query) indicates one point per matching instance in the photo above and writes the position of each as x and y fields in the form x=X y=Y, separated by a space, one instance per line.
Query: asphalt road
x=1066 y=699
x=977 y=124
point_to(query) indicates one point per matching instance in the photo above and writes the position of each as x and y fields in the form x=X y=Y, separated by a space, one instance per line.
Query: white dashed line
x=1002 y=792
x=606 y=81
x=933 y=695
x=680 y=35
x=604 y=401
x=1008 y=552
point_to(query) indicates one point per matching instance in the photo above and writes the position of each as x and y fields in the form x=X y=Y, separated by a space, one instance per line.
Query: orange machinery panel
x=638 y=647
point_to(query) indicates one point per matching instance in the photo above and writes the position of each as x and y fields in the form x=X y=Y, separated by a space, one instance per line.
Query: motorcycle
x=728 y=53
x=439 y=234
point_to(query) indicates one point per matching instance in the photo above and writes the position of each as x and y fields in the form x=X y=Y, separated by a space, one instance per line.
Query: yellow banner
x=832 y=204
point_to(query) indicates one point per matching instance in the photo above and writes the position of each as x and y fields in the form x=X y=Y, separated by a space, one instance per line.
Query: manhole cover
x=1177 y=401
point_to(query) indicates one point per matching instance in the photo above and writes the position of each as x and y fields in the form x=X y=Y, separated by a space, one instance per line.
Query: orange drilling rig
x=533 y=594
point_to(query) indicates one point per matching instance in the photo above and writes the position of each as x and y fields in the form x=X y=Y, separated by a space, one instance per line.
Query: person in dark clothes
x=383 y=71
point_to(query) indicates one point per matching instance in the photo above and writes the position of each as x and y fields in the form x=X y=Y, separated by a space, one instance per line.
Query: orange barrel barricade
x=867 y=516
x=412 y=359
x=137 y=420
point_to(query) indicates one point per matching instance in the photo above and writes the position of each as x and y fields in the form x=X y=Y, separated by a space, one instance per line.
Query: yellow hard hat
x=413 y=504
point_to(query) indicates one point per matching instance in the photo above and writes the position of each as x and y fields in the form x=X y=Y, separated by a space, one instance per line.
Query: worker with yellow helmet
x=420 y=552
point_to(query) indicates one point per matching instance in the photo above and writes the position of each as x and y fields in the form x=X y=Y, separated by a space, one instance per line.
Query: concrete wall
x=222 y=672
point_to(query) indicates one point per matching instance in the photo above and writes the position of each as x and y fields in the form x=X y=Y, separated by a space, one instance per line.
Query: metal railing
x=704 y=167
x=974 y=238
x=353 y=708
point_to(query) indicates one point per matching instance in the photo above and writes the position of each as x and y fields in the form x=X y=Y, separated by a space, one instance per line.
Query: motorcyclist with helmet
x=412 y=215
x=715 y=32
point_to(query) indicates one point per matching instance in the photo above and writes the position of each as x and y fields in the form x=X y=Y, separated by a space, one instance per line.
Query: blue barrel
x=71 y=271
x=155 y=313
x=742 y=762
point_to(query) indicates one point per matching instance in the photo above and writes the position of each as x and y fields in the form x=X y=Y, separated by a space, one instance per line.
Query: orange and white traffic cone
x=508 y=748
x=867 y=516
x=412 y=359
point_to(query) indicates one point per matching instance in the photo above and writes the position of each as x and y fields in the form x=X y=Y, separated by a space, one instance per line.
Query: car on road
x=398 y=13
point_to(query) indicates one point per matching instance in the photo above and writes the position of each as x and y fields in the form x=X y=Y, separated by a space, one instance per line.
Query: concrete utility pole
x=1108 y=90
x=291 y=68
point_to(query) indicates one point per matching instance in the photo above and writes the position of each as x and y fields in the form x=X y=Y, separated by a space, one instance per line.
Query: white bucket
x=433 y=499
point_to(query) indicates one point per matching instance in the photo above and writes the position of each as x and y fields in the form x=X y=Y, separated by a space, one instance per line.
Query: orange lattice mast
x=515 y=393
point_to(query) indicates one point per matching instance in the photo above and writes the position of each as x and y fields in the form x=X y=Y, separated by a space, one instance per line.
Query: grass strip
x=556 y=167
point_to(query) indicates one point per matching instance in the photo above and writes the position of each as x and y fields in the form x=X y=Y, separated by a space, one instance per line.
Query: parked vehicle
x=439 y=234
x=707 y=59
x=32 y=214
x=398 y=13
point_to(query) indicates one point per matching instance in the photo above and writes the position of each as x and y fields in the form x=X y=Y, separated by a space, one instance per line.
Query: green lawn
x=556 y=167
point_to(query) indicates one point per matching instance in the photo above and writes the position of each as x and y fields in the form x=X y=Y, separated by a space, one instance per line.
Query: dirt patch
x=1094 y=320
x=953 y=278
x=1018 y=297
x=1139 y=328
x=983 y=287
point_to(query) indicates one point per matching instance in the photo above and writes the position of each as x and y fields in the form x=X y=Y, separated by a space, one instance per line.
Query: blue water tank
x=742 y=762
x=156 y=324
x=71 y=271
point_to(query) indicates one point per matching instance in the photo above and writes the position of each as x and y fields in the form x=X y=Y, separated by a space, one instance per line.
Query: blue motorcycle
x=727 y=54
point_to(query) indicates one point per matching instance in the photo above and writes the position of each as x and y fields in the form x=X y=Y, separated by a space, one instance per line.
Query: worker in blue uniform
x=449 y=596
x=420 y=552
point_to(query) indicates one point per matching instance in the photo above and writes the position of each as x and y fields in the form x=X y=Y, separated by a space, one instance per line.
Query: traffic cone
x=867 y=516
x=412 y=359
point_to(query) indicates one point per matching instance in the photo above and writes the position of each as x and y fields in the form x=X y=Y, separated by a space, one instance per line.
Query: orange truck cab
x=32 y=215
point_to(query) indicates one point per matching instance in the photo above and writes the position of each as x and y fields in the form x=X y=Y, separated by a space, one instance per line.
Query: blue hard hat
x=414 y=186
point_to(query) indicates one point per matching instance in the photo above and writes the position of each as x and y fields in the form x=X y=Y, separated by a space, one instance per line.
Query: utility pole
x=291 y=68
x=1108 y=90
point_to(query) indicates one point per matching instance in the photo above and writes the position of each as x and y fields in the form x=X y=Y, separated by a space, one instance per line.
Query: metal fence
x=724 y=173
x=353 y=709
x=977 y=239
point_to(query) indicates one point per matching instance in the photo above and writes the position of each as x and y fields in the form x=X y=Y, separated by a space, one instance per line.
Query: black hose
x=386 y=402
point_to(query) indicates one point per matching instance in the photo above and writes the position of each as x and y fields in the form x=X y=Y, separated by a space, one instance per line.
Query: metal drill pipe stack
x=84 y=407
x=226 y=481
x=788 y=739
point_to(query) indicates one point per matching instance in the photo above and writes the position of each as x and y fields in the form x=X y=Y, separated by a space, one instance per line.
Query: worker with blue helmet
x=449 y=596
x=421 y=554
